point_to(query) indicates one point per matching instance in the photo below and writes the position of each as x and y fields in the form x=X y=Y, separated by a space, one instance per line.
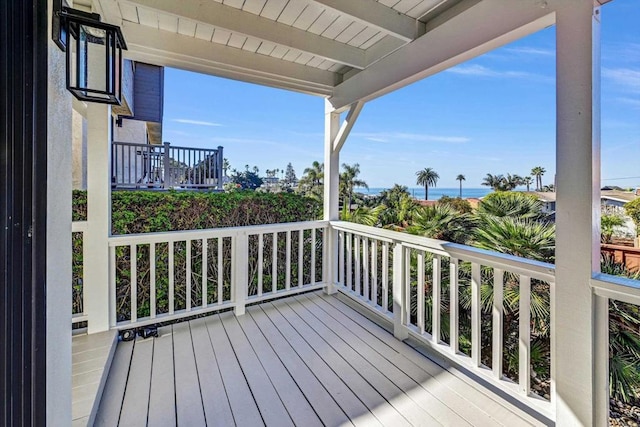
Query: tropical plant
x=633 y=210
x=348 y=181
x=460 y=205
x=427 y=177
x=313 y=176
x=537 y=172
x=460 y=178
x=511 y=204
x=441 y=222
x=521 y=237
x=248 y=180
x=399 y=207
x=226 y=165
x=362 y=215
x=502 y=182
x=527 y=180
x=608 y=225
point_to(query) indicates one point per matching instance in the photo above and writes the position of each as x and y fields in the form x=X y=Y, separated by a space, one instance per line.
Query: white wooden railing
x=387 y=272
x=80 y=227
x=157 y=277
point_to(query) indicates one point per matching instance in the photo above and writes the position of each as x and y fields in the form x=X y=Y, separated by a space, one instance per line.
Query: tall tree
x=427 y=177
x=527 y=180
x=460 y=178
x=226 y=165
x=348 y=181
x=538 y=171
x=314 y=175
x=290 y=175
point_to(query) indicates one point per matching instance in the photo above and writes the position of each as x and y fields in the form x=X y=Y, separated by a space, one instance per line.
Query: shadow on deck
x=308 y=360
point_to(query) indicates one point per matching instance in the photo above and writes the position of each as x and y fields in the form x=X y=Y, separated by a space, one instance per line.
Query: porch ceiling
x=343 y=50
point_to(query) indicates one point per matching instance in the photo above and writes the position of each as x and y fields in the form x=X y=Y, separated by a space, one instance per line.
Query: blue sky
x=494 y=114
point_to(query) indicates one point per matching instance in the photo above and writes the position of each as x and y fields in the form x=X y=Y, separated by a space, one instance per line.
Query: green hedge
x=146 y=212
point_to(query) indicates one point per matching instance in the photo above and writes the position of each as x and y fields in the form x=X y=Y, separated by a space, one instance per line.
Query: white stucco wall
x=130 y=168
x=59 y=147
x=79 y=161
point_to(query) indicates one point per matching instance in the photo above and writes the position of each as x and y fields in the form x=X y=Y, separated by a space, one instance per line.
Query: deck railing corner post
x=166 y=166
x=400 y=330
x=240 y=273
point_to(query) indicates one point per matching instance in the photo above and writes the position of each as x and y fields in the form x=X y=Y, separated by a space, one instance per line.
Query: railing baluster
x=152 y=279
x=365 y=267
x=407 y=286
x=287 y=279
x=171 y=279
x=341 y=258
x=437 y=296
x=300 y=258
x=349 y=261
x=356 y=243
x=205 y=265
x=453 y=305
x=260 y=262
x=112 y=286
x=476 y=312
x=385 y=277
x=274 y=268
x=497 y=322
x=313 y=256
x=134 y=282
x=220 y=270
x=524 y=341
x=188 y=274
x=420 y=293
x=374 y=272
x=400 y=296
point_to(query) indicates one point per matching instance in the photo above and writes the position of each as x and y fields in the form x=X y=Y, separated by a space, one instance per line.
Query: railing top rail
x=136 y=144
x=617 y=288
x=79 y=226
x=212 y=150
x=178 y=236
x=537 y=269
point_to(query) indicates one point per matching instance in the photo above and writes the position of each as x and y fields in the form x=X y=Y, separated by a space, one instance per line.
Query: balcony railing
x=444 y=295
x=164 y=166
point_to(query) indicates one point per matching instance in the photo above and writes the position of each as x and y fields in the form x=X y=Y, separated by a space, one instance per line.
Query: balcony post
x=577 y=215
x=219 y=164
x=166 y=166
x=331 y=179
x=400 y=330
x=96 y=282
x=240 y=272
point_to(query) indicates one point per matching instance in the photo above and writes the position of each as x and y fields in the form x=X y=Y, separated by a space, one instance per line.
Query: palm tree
x=538 y=171
x=427 y=177
x=608 y=226
x=441 y=222
x=314 y=175
x=527 y=180
x=496 y=182
x=460 y=178
x=511 y=204
x=349 y=180
x=226 y=165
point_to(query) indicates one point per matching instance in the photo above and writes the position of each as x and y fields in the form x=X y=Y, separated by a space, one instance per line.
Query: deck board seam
x=224 y=386
x=338 y=303
x=302 y=360
x=195 y=362
x=253 y=396
x=382 y=397
x=374 y=368
x=126 y=383
x=264 y=368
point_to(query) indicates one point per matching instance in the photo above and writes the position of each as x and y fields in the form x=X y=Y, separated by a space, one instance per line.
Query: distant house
x=548 y=199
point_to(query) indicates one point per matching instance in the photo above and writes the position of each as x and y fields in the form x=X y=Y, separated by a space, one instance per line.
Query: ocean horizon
x=435 y=193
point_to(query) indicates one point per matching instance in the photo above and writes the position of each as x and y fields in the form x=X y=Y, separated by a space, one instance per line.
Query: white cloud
x=196 y=122
x=626 y=77
x=419 y=137
x=525 y=50
x=481 y=71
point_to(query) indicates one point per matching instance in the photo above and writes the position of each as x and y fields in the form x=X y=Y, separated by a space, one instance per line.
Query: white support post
x=335 y=136
x=240 y=272
x=331 y=179
x=400 y=330
x=96 y=281
x=577 y=215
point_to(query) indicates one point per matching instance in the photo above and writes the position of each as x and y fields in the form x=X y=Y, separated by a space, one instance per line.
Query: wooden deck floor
x=309 y=360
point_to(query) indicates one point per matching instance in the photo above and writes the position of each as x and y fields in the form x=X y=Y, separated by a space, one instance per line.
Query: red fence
x=626 y=255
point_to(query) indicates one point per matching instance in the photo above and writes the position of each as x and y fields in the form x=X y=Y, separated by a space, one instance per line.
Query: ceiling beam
x=163 y=48
x=235 y=20
x=447 y=45
x=374 y=14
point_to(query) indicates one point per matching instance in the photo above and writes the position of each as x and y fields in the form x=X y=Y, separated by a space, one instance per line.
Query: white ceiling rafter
x=163 y=48
x=374 y=14
x=237 y=21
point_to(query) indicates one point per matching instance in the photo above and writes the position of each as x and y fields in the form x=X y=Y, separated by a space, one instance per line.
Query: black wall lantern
x=94 y=54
